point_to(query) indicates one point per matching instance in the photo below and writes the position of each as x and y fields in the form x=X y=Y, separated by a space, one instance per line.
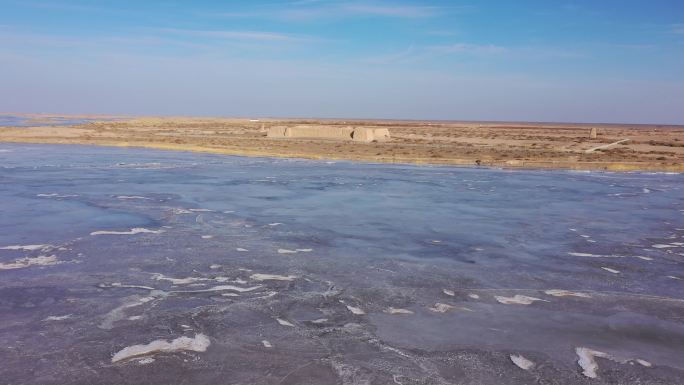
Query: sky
x=614 y=61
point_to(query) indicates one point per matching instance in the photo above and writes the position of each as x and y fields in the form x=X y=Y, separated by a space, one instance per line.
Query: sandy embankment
x=528 y=145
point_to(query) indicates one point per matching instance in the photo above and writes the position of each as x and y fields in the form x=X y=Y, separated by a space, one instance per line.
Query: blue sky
x=535 y=60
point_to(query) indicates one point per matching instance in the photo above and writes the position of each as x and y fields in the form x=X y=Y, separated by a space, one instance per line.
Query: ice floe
x=178 y=281
x=199 y=343
x=131 y=197
x=54 y=195
x=518 y=300
x=28 y=247
x=355 y=310
x=57 y=317
x=608 y=269
x=643 y=363
x=522 y=362
x=266 y=344
x=285 y=322
x=272 y=277
x=587 y=361
x=220 y=288
x=394 y=310
x=443 y=308
x=287 y=251
x=662 y=246
x=448 y=292
x=119 y=284
x=566 y=293
x=588 y=255
x=27 y=262
x=133 y=231
x=145 y=361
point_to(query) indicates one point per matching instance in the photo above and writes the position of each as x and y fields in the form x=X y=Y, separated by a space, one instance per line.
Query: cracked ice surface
x=333 y=272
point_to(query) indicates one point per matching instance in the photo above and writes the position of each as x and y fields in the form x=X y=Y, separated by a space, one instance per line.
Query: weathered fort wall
x=361 y=134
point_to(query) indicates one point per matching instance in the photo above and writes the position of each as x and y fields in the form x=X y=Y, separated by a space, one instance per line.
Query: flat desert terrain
x=528 y=145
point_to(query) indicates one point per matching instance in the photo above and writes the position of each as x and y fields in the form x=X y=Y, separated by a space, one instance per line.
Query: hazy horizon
x=615 y=62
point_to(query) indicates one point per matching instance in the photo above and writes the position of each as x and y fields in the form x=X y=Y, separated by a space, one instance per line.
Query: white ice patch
x=295 y=251
x=27 y=262
x=119 y=284
x=518 y=300
x=200 y=210
x=608 y=269
x=241 y=249
x=662 y=246
x=198 y=344
x=207 y=236
x=266 y=344
x=131 y=197
x=587 y=255
x=522 y=362
x=566 y=293
x=57 y=317
x=275 y=224
x=272 y=277
x=28 y=247
x=145 y=361
x=355 y=310
x=54 y=195
x=394 y=310
x=285 y=322
x=473 y=296
x=644 y=363
x=222 y=288
x=178 y=281
x=133 y=231
x=444 y=308
x=587 y=360
x=448 y=292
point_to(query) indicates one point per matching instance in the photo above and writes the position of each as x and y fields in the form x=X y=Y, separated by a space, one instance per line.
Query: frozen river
x=151 y=267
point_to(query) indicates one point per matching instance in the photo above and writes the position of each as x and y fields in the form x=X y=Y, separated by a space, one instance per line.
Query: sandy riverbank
x=527 y=145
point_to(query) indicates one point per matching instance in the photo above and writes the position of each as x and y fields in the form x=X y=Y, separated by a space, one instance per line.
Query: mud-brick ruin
x=356 y=134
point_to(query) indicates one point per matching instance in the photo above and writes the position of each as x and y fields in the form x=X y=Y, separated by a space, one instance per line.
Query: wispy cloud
x=468 y=48
x=402 y=11
x=60 y=6
x=312 y=10
x=677 y=29
x=237 y=35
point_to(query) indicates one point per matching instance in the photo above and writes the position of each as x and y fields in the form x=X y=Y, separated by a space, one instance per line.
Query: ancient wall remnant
x=358 y=134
